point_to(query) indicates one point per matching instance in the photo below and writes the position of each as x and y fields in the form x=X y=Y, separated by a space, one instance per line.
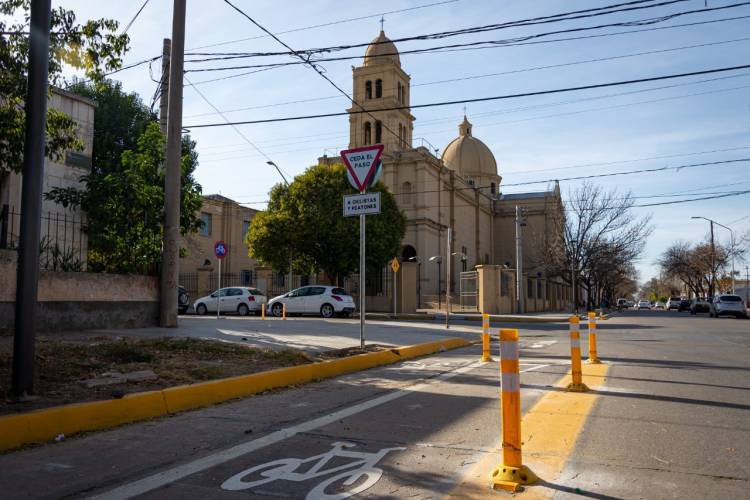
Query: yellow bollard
x=593 y=355
x=512 y=473
x=263 y=311
x=577 y=384
x=283 y=311
x=486 y=338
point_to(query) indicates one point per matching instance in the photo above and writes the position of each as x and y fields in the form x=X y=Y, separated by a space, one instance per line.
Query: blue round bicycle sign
x=220 y=249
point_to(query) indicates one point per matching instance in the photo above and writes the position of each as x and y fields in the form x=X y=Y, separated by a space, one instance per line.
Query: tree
x=692 y=265
x=305 y=220
x=93 y=46
x=600 y=233
x=126 y=205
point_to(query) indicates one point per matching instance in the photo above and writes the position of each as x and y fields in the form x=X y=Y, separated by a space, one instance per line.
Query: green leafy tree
x=93 y=46
x=306 y=221
x=124 y=126
x=126 y=205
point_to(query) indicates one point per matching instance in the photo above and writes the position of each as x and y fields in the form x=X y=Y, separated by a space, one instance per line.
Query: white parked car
x=316 y=299
x=644 y=304
x=235 y=299
x=726 y=305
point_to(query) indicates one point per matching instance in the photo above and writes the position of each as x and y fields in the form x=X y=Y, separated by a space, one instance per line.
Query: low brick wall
x=80 y=301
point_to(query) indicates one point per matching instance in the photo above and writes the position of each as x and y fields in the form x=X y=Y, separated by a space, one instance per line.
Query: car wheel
x=201 y=309
x=242 y=310
x=277 y=309
x=326 y=310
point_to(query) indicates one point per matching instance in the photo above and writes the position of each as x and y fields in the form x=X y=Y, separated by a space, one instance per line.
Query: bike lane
x=417 y=440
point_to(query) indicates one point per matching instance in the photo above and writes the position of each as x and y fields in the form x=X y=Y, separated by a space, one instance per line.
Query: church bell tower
x=380 y=84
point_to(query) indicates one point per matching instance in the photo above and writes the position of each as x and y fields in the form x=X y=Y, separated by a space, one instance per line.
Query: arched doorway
x=408 y=252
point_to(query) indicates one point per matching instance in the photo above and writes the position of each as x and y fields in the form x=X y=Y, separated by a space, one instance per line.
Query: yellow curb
x=44 y=425
x=550 y=430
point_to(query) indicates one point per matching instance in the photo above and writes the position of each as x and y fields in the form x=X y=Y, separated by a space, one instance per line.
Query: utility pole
x=166 y=52
x=448 y=280
x=713 y=263
x=170 y=252
x=519 y=261
x=27 y=277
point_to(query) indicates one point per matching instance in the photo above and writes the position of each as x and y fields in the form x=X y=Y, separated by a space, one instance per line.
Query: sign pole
x=218 y=294
x=362 y=281
x=395 y=293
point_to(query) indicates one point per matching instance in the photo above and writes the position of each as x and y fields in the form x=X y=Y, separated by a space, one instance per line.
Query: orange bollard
x=512 y=473
x=283 y=311
x=486 y=338
x=577 y=384
x=593 y=355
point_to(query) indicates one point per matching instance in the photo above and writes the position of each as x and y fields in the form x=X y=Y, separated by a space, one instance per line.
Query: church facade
x=461 y=190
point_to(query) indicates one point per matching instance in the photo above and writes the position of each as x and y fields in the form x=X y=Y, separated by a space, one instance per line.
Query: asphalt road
x=671 y=421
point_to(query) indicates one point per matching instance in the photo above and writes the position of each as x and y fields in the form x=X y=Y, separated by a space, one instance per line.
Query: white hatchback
x=235 y=299
x=317 y=299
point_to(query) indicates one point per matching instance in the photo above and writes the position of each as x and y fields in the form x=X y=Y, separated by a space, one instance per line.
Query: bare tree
x=696 y=266
x=601 y=237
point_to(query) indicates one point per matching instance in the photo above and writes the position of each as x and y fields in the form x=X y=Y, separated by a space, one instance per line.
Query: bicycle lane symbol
x=354 y=477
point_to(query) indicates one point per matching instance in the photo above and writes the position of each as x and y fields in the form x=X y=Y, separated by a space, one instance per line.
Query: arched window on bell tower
x=368 y=133
x=400 y=93
x=378 y=88
x=368 y=89
x=378 y=132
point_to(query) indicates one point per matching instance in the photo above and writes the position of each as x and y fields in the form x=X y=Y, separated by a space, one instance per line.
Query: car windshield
x=730 y=298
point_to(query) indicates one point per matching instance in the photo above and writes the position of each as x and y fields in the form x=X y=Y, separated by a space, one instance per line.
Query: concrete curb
x=44 y=425
x=513 y=319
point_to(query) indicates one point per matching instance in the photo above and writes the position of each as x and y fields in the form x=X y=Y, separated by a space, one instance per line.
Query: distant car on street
x=644 y=304
x=700 y=305
x=659 y=305
x=728 y=305
x=684 y=305
x=240 y=300
x=183 y=299
x=673 y=303
x=327 y=301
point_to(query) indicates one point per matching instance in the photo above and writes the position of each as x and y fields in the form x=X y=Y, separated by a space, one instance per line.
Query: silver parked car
x=728 y=305
x=235 y=299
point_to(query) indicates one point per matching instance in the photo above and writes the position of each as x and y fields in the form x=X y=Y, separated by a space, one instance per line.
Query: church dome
x=381 y=51
x=467 y=155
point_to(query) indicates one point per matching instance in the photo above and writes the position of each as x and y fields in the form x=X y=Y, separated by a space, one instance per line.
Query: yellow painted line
x=44 y=425
x=550 y=430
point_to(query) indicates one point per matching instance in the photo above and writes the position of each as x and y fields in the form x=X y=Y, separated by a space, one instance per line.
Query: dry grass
x=62 y=366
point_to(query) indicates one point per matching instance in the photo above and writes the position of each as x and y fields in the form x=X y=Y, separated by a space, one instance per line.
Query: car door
x=295 y=301
x=233 y=299
x=225 y=300
x=314 y=299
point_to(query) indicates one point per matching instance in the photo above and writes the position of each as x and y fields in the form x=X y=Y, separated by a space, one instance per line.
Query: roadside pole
x=27 y=281
x=519 y=262
x=220 y=251
x=361 y=167
x=362 y=240
x=166 y=52
x=218 y=294
x=448 y=281
x=171 y=238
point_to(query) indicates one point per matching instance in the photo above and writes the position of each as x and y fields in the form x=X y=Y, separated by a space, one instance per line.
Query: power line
x=127 y=26
x=239 y=132
x=471 y=77
x=330 y=23
x=477 y=99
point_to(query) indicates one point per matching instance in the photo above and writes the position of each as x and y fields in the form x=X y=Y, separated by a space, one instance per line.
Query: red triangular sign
x=362 y=163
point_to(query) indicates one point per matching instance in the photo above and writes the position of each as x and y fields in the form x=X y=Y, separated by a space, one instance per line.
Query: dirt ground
x=66 y=367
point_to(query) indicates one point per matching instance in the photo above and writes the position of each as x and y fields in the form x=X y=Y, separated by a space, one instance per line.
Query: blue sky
x=533 y=139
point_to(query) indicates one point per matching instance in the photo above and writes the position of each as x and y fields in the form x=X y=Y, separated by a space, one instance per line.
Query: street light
x=713 y=250
x=438 y=259
x=419 y=278
x=291 y=275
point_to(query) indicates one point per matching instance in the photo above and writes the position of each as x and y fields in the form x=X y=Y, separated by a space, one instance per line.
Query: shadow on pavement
x=575 y=491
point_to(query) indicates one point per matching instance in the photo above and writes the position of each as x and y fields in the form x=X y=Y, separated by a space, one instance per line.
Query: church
x=461 y=190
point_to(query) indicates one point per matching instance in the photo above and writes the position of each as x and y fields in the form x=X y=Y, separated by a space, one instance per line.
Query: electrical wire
x=473 y=100
x=127 y=26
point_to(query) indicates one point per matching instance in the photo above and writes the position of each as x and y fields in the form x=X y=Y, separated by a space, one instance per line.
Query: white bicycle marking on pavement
x=284 y=470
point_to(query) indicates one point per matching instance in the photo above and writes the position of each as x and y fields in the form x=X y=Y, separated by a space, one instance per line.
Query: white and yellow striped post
x=576 y=385
x=593 y=355
x=486 y=338
x=512 y=473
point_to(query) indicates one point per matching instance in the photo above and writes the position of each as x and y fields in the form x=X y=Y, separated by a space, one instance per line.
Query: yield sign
x=362 y=163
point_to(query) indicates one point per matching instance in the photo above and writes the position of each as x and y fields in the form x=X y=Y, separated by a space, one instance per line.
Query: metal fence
x=378 y=283
x=232 y=279
x=63 y=242
x=469 y=291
